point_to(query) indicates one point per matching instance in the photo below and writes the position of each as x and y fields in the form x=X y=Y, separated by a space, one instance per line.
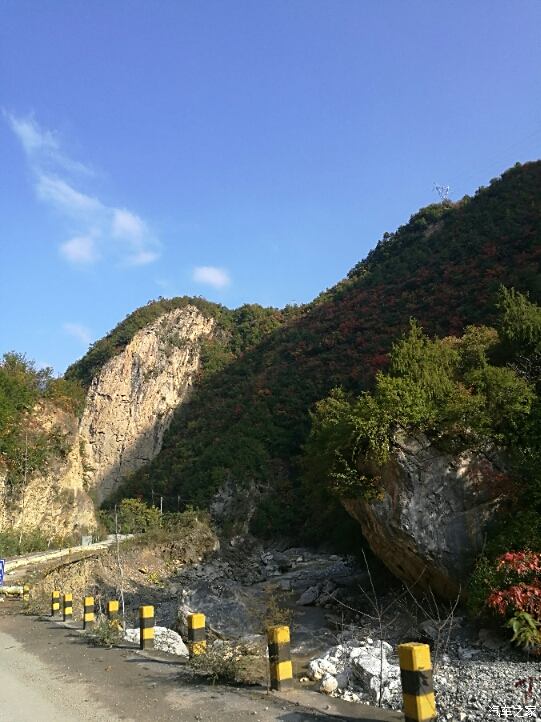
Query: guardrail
x=38 y=557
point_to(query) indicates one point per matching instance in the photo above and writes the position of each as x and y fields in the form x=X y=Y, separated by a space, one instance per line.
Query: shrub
x=134 y=517
x=514 y=584
x=13 y=543
x=105 y=632
x=231 y=663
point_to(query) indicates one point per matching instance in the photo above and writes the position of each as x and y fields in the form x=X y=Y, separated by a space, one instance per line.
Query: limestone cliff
x=431 y=523
x=130 y=403
x=129 y=406
x=52 y=500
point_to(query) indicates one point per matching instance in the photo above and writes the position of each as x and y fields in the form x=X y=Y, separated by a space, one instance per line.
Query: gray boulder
x=430 y=524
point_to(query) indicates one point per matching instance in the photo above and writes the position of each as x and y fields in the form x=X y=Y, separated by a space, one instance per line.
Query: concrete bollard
x=68 y=607
x=55 y=604
x=146 y=627
x=417 y=684
x=26 y=593
x=197 y=634
x=112 y=610
x=89 y=616
x=281 y=668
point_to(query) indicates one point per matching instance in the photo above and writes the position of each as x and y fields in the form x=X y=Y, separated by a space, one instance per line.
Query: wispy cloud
x=32 y=137
x=66 y=198
x=78 y=331
x=42 y=145
x=102 y=230
x=80 y=250
x=211 y=276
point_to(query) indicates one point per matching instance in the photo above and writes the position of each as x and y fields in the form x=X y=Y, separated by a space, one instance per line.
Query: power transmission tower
x=442 y=191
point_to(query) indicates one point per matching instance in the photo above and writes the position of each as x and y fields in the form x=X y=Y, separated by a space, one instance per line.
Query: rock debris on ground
x=165 y=640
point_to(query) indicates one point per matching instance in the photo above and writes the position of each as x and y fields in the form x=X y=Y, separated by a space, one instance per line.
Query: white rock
x=361 y=672
x=165 y=640
x=329 y=684
x=320 y=667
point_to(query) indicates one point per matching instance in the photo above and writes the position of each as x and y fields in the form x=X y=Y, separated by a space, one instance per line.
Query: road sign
x=2 y=565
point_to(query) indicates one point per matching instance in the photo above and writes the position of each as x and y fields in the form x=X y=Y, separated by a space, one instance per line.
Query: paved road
x=49 y=673
x=31 y=691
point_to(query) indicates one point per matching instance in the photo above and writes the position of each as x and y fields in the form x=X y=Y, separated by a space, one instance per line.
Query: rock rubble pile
x=359 y=671
x=165 y=640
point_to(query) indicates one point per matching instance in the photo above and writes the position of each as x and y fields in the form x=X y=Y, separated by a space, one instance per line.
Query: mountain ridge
x=248 y=419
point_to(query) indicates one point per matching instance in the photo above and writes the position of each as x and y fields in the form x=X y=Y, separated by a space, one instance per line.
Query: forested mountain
x=249 y=416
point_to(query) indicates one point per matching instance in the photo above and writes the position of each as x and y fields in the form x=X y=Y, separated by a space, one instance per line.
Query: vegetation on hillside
x=480 y=391
x=237 y=330
x=446 y=388
x=248 y=421
x=24 y=446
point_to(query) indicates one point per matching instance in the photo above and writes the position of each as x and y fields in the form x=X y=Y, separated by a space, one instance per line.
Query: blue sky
x=246 y=151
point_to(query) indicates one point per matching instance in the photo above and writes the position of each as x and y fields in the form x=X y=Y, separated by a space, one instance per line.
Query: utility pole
x=161 y=504
x=25 y=479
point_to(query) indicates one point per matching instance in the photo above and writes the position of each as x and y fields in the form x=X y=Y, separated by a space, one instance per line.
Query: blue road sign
x=2 y=565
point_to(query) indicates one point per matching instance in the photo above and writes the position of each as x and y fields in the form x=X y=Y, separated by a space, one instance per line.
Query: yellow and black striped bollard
x=112 y=610
x=88 y=612
x=281 y=668
x=146 y=627
x=417 y=684
x=197 y=634
x=68 y=607
x=26 y=593
x=55 y=604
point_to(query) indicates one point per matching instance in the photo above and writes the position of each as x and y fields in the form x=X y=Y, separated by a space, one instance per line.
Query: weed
x=230 y=663
x=105 y=632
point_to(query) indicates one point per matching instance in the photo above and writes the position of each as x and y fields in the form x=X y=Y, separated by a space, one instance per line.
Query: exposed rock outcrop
x=431 y=523
x=128 y=408
x=130 y=404
x=53 y=501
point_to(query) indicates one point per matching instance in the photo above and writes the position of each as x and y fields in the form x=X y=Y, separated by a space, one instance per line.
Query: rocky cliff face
x=128 y=408
x=53 y=501
x=130 y=404
x=431 y=523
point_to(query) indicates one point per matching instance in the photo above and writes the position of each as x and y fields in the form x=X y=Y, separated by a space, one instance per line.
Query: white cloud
x=42 y=146
x=212 y=276
x=142 y=258
x=80 y=250
x=127 y=224
x=32 y=137
x=103 y=230
x=78 y=331
x=63 y=196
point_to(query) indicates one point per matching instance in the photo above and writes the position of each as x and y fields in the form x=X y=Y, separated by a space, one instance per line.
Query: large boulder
x=430 y=524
